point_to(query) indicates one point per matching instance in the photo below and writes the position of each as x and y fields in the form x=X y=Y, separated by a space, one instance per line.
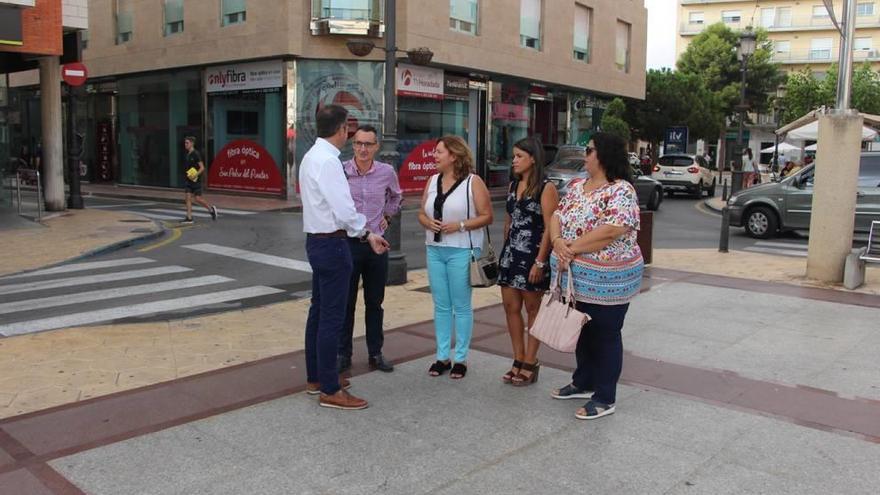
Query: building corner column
x=834 y=195
x=52 y=161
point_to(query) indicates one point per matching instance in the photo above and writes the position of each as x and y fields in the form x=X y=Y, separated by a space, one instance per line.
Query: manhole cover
x=135 y=220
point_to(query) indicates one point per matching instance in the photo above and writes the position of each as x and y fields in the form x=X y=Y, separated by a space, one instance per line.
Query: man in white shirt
x=329 y=219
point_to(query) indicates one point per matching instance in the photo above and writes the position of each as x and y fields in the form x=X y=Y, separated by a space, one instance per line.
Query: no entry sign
x=74 y=74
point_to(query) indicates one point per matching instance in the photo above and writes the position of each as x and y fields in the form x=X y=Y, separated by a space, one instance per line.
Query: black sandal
x=458 y=371
x=439 y=367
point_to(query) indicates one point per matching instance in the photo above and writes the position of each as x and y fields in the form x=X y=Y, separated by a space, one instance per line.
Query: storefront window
x=155 y=113
x=357 y=86
x=246 y=127
x=510 y=116
x=586 y=113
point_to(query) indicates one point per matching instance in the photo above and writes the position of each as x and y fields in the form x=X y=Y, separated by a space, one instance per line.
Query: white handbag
x=484 y=271
x=558 y=323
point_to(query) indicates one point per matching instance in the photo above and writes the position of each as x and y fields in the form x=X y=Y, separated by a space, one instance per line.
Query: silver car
x=569 y=164
x=769 y=208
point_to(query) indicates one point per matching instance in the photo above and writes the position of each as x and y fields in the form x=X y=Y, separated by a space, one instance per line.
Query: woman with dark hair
x=593 y=233
x=523 y=274
x=455 y=208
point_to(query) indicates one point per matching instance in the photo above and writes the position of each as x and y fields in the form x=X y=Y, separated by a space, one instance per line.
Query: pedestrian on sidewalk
x=329 y=219
x=192 y=185
x=593 y=233
x=449 y=234
x=376 y=194
x=523 y=274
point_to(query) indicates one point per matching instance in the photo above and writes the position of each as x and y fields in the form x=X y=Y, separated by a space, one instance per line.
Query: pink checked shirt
x=375 y=194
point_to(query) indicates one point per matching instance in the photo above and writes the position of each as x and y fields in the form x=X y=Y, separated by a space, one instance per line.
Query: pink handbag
x=558 y=323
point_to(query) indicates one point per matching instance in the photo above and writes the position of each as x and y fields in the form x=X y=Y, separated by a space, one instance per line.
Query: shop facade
x=253 y=121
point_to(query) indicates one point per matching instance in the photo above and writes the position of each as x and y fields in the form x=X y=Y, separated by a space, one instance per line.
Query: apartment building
x=247 y=76
x=801 y=31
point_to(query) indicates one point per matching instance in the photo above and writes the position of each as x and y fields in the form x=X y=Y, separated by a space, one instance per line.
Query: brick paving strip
x=28 y=442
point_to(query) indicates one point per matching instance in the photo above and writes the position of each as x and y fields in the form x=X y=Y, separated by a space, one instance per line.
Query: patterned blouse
x=613 y=274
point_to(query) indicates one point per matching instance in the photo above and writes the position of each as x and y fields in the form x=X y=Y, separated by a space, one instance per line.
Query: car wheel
x=761 y=222
x=698 y=192
x=712 y=189
x=655 y=199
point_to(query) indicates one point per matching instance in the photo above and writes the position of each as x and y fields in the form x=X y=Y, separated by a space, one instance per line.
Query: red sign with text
x=244 y=165
x=418 y=167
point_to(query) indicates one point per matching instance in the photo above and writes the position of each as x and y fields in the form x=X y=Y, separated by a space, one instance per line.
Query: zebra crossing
x=180 y=214
x=115 y=289
x=783 y=248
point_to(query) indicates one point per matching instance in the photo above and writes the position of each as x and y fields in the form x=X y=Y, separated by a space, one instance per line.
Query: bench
x=856 y=261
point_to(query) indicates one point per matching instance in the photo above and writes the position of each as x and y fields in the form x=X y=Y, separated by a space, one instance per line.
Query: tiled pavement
x=758 y=383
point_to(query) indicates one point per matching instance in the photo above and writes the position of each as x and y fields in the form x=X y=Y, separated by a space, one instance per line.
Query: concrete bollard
x=854 y=269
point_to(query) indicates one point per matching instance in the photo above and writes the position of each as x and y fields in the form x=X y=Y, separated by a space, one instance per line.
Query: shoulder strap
x=470 y=239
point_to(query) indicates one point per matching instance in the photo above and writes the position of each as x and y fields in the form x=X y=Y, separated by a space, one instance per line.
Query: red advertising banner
x=244 y=165
x=418 y=167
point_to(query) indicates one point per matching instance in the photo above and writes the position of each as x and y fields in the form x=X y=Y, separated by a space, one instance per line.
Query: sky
x=661 y=33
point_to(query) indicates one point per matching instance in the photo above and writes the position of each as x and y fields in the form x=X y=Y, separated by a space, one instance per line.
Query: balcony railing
x=781 y=24
x=365 y=17
x=822 y=56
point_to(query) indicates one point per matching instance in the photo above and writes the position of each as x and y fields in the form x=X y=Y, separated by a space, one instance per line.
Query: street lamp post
x=745 y=49
x=388 y=153
x=778 y=108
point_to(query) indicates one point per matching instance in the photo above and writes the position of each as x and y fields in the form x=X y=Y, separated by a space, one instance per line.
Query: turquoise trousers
x=449 y=277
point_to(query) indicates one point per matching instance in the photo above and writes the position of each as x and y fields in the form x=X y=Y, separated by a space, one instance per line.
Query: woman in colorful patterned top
x=523 y=274
x=593 y=233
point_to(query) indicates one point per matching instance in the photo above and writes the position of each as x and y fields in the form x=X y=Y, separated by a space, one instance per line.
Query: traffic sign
x=74 y=74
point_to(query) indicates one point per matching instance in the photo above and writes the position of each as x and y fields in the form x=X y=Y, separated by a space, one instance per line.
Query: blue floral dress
x=523 y=242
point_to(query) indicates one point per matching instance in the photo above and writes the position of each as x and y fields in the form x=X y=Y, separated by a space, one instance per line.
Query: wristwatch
x=540 y=264
x=365 y=237
x=461 y=226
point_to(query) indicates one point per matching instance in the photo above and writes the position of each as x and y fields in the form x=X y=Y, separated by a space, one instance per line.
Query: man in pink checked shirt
x=376 y=194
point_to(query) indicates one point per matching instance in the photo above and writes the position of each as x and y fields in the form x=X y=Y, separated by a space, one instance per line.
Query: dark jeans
x=599 y=351
x=331 y=274
x=373 y=268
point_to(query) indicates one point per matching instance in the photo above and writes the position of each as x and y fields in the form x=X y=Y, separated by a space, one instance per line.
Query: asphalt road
x=244 y=259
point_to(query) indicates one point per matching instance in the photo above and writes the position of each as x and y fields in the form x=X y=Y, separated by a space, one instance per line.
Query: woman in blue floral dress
x=523 y=272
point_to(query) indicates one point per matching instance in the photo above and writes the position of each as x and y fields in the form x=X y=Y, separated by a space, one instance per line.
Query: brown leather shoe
x=342 y=400
x=314 y=388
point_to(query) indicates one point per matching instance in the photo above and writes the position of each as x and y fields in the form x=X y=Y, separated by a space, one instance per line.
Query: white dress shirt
x=326 y=197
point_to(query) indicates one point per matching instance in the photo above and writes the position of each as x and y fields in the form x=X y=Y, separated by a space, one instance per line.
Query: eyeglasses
x=588 y=150
x=362 y=144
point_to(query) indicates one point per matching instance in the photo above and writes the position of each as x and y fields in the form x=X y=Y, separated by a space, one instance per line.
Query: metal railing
x=823 y=55
x=29 y=177
x=781 y=24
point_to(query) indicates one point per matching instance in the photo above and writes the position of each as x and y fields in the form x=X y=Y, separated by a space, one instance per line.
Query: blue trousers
x=449 y=278
x=599 y=352
x=331 y=264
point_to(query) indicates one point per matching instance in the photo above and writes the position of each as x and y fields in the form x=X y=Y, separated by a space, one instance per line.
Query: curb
x=109 y=248
x=708 y=204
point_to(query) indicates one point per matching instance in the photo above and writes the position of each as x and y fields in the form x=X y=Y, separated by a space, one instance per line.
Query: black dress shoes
x=378 y=362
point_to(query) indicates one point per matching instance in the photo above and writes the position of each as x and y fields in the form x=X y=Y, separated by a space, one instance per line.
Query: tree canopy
x=614 y=120
x=712 y=57
x=676 y=98
x=805 y=92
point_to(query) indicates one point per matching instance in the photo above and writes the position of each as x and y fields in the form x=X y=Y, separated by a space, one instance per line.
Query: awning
x=811 y=131
x=783 y=148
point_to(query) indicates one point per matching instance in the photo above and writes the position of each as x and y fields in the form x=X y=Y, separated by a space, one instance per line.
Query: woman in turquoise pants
x=455 y=208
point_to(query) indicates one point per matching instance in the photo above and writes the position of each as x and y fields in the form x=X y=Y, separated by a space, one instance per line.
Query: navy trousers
x=599 y=351
x=373 y=268
x=330 y=259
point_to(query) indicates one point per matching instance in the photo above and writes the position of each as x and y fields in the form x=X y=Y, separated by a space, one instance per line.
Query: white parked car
x=685 y=173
